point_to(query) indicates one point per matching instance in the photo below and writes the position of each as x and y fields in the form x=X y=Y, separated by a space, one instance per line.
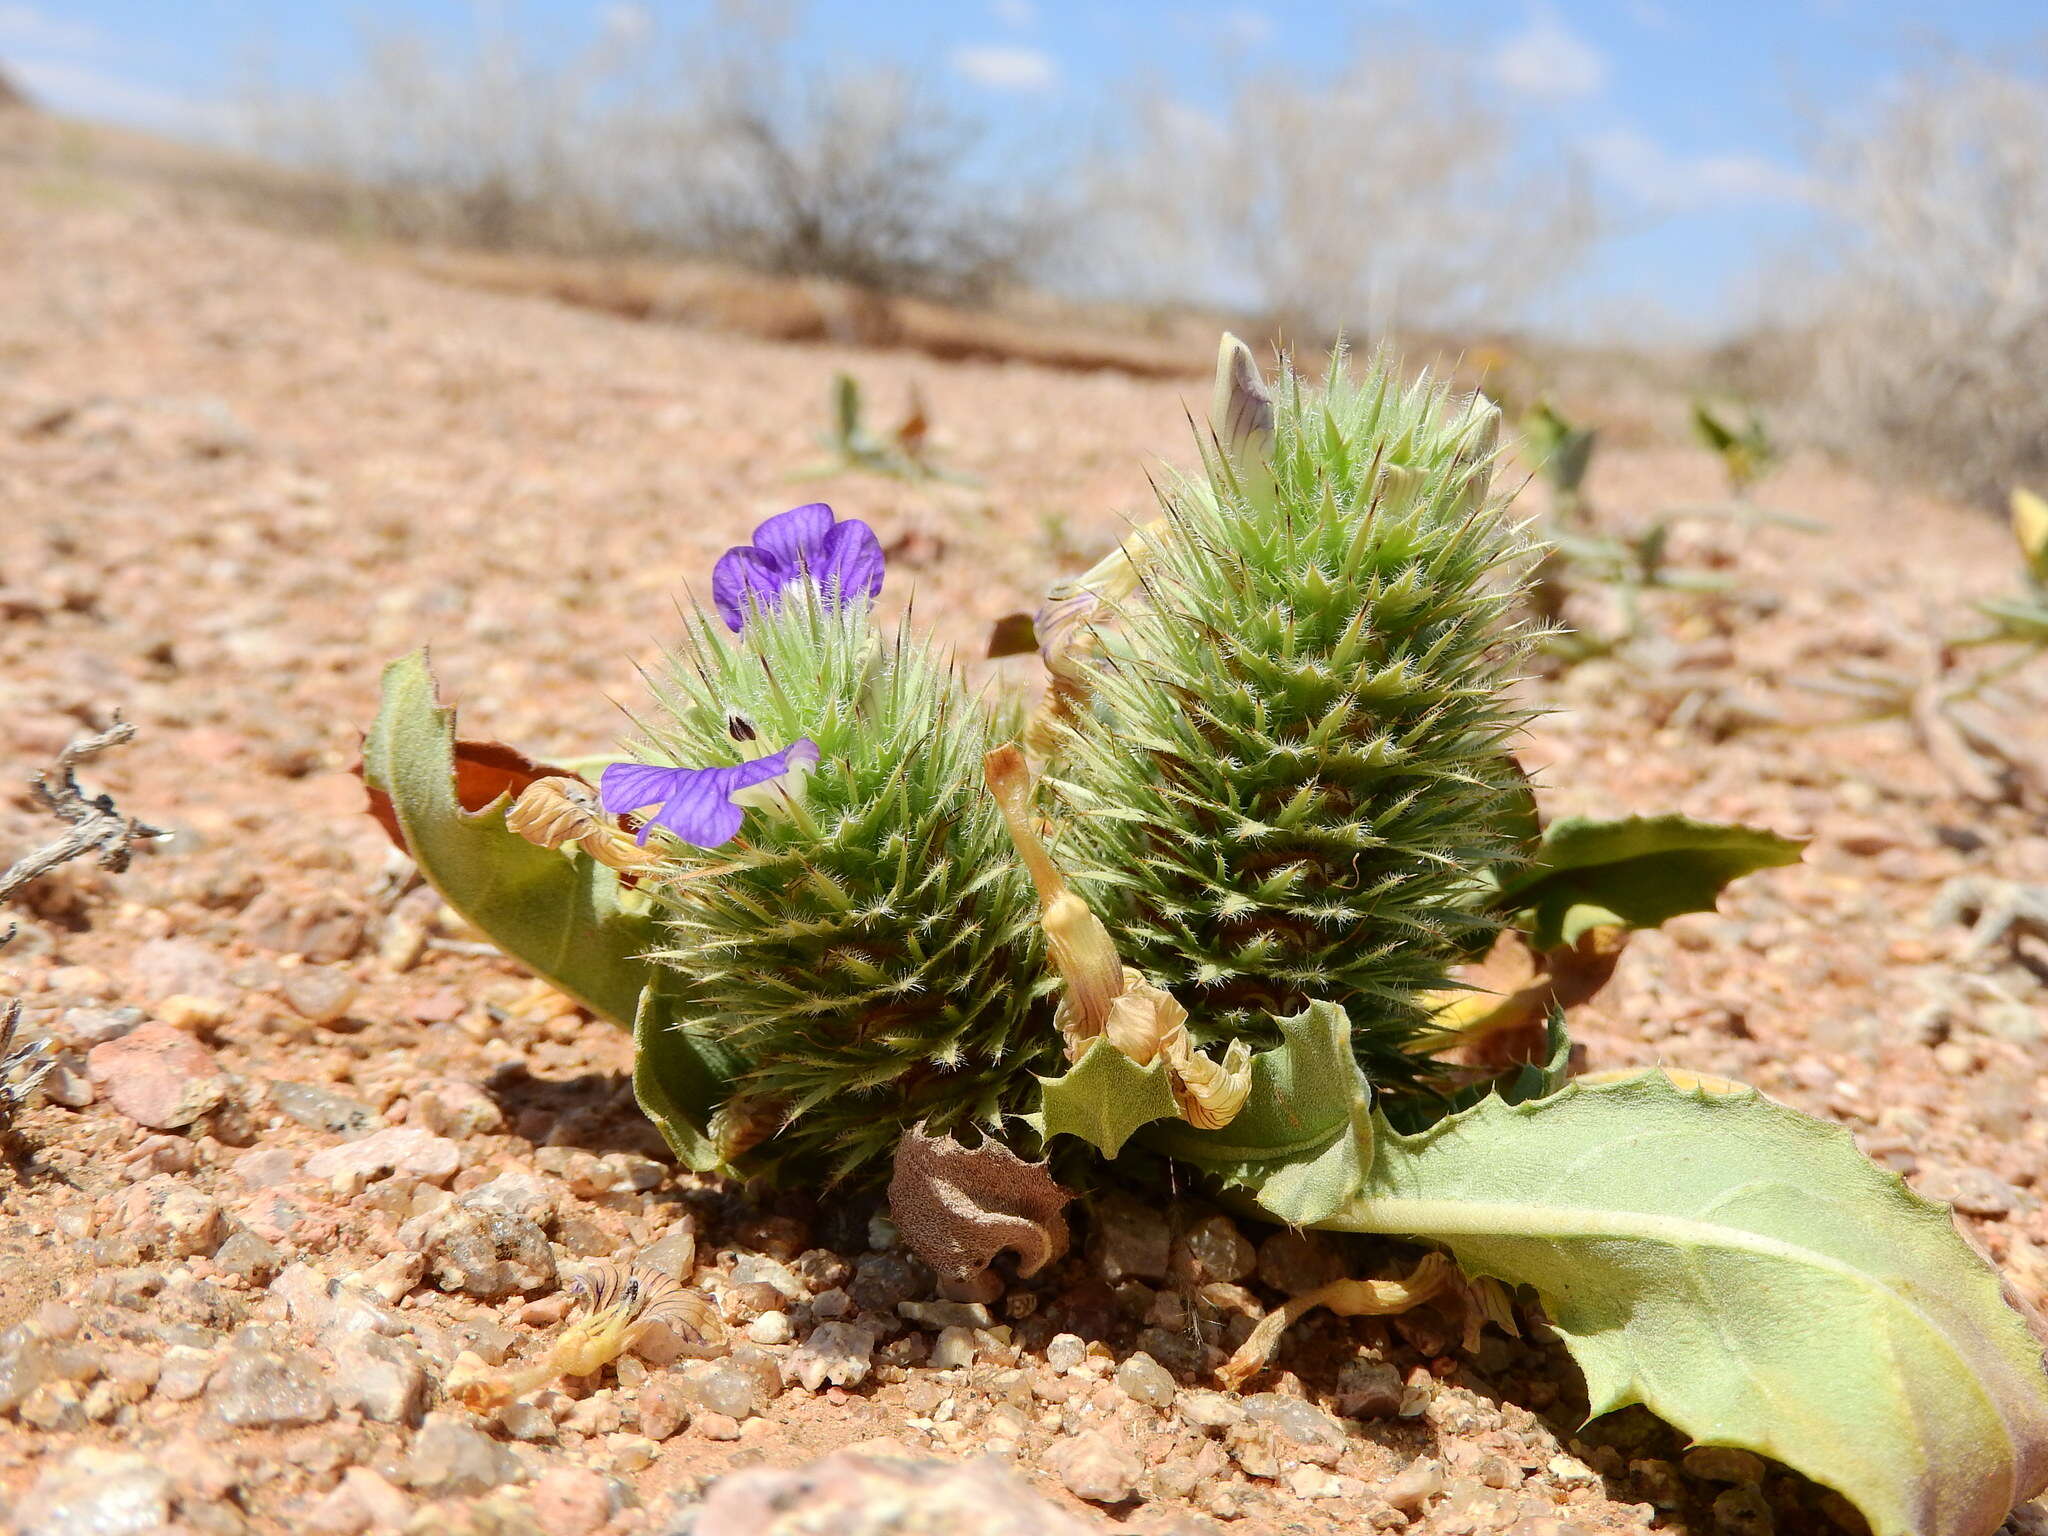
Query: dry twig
x=96 y=826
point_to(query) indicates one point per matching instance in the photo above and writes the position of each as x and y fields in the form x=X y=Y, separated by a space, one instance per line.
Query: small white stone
x=953 y=1348
x=770 y=1328
x=1065 y=1351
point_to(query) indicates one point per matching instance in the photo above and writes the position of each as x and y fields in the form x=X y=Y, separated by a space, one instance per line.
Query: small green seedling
x=903 y=452
x=2023 y=619
x=1746 y=452
x=1563 y=454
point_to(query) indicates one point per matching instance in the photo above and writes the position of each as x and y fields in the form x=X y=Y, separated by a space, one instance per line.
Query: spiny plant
x=1283 y=807
x=869 y=949
x=1295 y=754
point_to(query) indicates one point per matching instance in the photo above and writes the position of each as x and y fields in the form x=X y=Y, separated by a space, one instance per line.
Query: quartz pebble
x=1973 y=1191
x=1065 y=1351
x=883 y=1281
x=1369 y=1389
x=485 y=1253
x=1211 y=1410
x=570 y=1501
x=322 y=1109
x=881 y=1489
x=450 y=1457
x=1414 y=1486
x=95 y=1492
x=319 y=993
x=1296 y=1419
x=247 y=1255
x=457 y=1109
x=381 y=1378
x=663 y=1408
x=1129 y=1240
x=396 y=1149
x=1145 y=1380
x=256 y=1389
x=1212 y=1251
x=722 y=1389
x=945 y=1314
x=1095 y=1467
x=168 y=1217
x=184 y=1373
x=674 y=1253
x=954 y=1348
x=362 y=1502
x=157 y=1076
x=836 y=1353
x=1296 y=1263
x=1743 y=1511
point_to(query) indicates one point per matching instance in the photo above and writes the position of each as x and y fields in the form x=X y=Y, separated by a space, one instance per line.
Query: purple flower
x=696 y=803
x=843 y=559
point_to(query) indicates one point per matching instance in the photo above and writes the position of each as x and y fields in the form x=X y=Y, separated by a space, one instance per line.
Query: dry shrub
x=1930 y=361
x=708 y=144
x=1398 y=193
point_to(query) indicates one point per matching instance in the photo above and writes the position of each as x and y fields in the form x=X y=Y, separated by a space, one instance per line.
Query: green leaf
x=565 y=917
x=1104 y=1098
x=2019 y=619
x=678 y=1080
x=1634 y=873
x=1710 y=430
x=1740 y=1270
x=1303 y=1140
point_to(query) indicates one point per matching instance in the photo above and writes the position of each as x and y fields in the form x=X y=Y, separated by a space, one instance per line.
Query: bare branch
x=97 y=827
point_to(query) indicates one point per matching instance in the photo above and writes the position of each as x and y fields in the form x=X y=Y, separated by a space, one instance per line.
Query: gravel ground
x=306 y=1145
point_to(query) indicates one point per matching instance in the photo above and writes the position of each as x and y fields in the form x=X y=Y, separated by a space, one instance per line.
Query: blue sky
x=1692 y=114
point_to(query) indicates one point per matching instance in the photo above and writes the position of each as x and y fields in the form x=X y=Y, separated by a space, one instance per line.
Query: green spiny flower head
x=867 y=945
x=1293 y=762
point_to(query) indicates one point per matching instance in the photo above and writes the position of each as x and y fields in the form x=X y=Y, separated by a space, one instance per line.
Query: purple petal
x=700 y=812
x=774 y=765
x=747 y=570
x=696 y=803
x=793 y=536
x=850 y=556
x=625 y=787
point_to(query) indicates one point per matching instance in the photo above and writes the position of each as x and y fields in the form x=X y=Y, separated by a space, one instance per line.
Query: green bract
x=869 y=949
x=1286 y=812
x=1295 y=760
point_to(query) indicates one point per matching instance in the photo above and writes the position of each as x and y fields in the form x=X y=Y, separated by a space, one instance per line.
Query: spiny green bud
x=1282 y=788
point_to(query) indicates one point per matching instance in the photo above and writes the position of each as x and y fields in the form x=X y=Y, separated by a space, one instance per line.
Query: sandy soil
x=237 y=472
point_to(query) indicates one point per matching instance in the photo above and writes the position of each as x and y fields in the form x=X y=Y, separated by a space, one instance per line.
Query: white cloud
x=1014 y=13
x=626 y=22
x=1659 y=179
x=77 y=91
x=24 y=26
x=1548 y=61
x=1001 y=67
x=1243 y=27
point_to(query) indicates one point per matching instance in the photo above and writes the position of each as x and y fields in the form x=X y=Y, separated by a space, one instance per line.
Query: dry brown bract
x=959 y=1207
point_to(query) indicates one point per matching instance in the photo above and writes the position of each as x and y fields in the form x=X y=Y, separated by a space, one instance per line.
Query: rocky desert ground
x=307 y=1141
